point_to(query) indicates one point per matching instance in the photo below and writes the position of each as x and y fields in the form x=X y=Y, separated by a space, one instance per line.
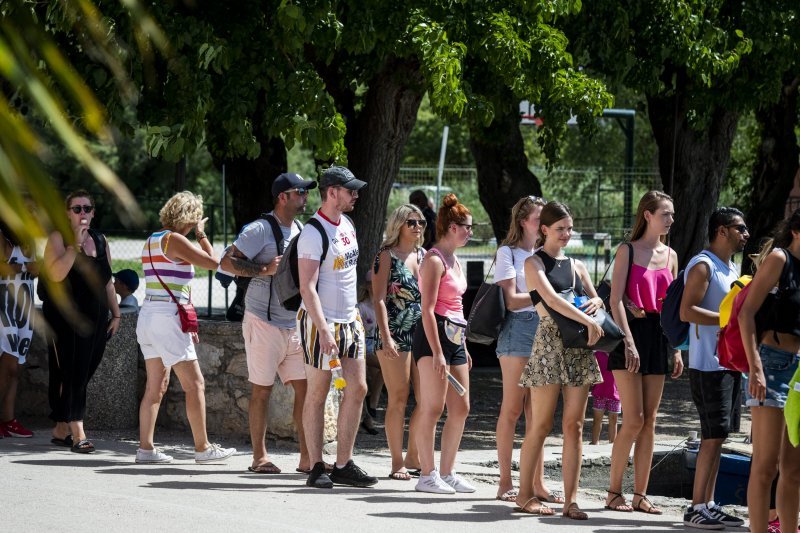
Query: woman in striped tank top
x=168 y=261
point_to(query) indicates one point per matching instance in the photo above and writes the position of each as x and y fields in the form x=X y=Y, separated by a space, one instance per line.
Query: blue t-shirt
x=703 y=339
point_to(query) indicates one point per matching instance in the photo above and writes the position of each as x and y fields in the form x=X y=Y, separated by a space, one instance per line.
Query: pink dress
x=605 y=396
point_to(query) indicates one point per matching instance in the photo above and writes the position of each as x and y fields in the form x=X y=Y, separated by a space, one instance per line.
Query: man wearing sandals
x=270 y=335
x=715 y=390
x=330 y=327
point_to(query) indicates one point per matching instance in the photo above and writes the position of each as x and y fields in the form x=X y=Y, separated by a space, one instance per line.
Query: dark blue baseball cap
x=289 y=180
x=129 y=278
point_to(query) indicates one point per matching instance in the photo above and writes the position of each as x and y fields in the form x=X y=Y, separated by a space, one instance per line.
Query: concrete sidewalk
x=45 y=488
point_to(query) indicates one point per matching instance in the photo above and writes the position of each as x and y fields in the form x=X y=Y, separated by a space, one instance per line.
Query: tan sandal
x=542 y=510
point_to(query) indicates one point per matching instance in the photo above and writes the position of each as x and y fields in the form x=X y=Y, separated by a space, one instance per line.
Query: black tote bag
x=487 y=314
x=575 y=334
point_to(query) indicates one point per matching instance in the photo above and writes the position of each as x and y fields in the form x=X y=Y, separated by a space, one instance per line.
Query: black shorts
x=716 y=395
x=454 y=353
x=651 y=343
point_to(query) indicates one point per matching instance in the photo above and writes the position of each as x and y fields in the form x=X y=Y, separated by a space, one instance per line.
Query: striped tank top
x=176 y=275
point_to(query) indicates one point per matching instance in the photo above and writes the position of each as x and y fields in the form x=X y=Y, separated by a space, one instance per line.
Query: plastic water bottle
x=336 y=369
x=457 y=386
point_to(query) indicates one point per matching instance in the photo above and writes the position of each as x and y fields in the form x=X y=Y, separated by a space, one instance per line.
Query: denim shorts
x=516 y=337
x=779 y=368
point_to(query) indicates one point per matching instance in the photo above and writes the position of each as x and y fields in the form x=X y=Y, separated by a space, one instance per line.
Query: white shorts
x=271 y=350
x=158 y=331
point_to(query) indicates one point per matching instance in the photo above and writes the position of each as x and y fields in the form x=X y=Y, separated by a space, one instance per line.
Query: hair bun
x=449 y=200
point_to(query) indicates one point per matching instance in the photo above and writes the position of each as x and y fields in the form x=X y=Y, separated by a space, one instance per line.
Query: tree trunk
x=775 y=168
x=250 y=181
x=503 y=173
x=375 y=140
x=700 y=165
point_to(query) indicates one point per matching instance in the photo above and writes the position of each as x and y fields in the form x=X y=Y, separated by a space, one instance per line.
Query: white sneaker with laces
x=213 y=454
x=458 y=483
x=433 y=484
x=149 y=457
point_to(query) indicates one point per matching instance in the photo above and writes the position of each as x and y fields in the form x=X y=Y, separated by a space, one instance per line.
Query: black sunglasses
x=413 y=223
x=302 y=191
x=86 y=209
x=741 y=228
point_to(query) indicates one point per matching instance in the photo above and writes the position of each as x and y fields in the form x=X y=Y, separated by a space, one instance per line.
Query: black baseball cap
x=341 y=177
x=128 y=278
x=289 y=180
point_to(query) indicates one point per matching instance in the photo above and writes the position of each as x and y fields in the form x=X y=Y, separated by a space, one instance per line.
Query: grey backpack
x=286 y=280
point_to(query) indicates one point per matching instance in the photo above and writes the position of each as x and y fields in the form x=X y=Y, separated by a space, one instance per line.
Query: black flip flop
x=84 y=446
x=66 y=442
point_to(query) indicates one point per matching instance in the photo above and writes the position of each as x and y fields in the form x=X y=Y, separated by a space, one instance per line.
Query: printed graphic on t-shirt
x=16 y=311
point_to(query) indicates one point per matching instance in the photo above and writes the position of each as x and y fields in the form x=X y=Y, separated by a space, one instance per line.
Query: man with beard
x=330 y=326
x=270 y=336
x=715 y=390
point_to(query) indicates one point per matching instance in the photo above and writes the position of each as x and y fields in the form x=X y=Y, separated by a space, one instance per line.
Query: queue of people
x=417 y=337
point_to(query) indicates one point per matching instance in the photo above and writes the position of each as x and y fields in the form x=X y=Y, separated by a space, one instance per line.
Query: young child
x=126 y=282
x=605 y=399
x=374 y=376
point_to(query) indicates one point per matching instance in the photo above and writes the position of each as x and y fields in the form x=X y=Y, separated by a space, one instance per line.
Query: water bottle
x=578 y=301
x=458 y=387
x=336 y=369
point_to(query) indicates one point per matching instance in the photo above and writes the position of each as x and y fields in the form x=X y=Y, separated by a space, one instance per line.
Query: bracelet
x=200 y=236
x=116 y=316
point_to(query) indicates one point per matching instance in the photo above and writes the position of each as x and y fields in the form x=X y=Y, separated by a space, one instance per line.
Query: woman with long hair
x=642 y=361
x=439 y=349
x=515 y=341
x=168 y=261
x=78 y=266
x=395 y=292
x=772 y=354
x=552 y=369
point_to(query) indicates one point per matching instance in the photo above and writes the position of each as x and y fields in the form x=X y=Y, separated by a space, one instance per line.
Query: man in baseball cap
x=289 y=181
x=340 y=177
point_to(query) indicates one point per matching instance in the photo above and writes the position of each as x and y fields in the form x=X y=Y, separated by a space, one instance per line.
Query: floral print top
x=403 y=301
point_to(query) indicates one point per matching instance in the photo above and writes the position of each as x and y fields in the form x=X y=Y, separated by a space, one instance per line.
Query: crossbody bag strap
x=150 y=253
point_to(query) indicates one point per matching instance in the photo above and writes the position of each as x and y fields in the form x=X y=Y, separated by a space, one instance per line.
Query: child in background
x=126 y=282
x=374 y=376
x=605 y=399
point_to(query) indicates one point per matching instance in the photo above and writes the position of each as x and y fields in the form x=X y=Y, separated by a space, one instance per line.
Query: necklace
x=560 y=261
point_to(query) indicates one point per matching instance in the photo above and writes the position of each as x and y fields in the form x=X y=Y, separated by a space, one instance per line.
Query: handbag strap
x=150 y=253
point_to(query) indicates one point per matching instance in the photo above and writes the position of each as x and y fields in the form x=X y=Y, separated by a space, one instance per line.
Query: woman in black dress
x=80 y=323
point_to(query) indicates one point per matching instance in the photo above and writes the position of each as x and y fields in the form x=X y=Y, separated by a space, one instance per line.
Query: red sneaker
x=774 y=526
x=12 y=428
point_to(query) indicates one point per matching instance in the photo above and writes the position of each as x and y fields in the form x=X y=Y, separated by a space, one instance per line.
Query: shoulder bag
x=488 y=312
x=186 y=311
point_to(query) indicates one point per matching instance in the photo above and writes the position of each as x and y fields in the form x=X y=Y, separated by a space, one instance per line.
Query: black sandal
x=83 y=446
x=623 y=508
x=650 y=509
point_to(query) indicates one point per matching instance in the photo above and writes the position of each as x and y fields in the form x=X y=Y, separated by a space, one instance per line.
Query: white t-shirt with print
x=337 y=286
x=511 y=264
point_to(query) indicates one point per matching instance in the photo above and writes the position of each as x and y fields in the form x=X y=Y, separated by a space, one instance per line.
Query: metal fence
x=597 y=198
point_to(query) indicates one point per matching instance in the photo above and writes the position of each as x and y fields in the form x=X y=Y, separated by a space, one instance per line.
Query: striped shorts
x=350 y=339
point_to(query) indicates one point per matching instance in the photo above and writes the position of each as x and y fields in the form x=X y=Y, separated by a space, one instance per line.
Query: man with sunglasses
x=330 y=327
x=715 y=390
x=270 y=338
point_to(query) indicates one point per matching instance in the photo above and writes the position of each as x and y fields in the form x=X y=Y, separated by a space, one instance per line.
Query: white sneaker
x=433 y=484
x=213 y=454
x=149 y=457
x=458 y=483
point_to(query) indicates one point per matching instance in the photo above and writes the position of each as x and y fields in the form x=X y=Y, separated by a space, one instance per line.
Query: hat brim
x=310 y=184
x=354 y=184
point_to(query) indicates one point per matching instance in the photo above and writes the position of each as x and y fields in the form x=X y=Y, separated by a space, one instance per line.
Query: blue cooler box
x=734 y=472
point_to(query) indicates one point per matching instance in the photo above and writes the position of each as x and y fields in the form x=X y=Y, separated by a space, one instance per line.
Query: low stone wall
x=116 y=389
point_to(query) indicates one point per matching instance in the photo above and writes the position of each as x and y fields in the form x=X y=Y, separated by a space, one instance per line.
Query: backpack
x=730 y=347
x=235 y=312
x=286 y=280
x=675 y=329
x=726 y=305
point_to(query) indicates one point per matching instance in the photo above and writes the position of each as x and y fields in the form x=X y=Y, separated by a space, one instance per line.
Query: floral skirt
x=552 y=364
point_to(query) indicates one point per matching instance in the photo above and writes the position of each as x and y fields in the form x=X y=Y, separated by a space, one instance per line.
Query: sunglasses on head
x=535 y=199
x=86 y=209
x=413 y=223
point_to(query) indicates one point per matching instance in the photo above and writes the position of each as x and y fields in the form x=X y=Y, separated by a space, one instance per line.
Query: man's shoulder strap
x=277 y=233
x=317 y=224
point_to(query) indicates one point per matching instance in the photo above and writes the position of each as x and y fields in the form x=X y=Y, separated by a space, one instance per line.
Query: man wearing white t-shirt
x=271 y=341
x=329 y=326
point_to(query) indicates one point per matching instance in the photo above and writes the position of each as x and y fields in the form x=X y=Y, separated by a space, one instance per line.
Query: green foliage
x=743 y=157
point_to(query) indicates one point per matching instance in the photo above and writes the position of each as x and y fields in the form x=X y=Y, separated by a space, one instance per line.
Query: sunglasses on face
x=299 y=190
x=413 y=223
x=86 y=209
x=741 y=228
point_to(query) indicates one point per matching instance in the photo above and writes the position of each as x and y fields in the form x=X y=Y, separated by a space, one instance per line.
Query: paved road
x=44 y=488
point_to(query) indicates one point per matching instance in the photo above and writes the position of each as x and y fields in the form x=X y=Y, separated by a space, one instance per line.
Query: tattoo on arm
x=245 y=267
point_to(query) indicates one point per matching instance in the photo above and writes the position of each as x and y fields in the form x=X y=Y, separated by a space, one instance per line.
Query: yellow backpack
x=726 y=305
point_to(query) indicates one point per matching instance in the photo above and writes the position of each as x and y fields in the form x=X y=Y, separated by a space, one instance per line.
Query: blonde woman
x=516 y=340
x=168 y=254
x=397 y=300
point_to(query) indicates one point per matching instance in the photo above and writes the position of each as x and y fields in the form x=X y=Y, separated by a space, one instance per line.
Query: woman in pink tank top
x=439 y=349
x=641 y=362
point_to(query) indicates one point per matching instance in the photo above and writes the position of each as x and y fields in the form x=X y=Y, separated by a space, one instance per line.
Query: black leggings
x=73 y=359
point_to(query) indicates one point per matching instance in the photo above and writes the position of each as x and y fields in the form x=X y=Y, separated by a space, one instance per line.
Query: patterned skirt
x=552 y=364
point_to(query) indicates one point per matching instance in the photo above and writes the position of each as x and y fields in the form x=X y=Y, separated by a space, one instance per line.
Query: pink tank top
x=647 y=288
x=451 y=288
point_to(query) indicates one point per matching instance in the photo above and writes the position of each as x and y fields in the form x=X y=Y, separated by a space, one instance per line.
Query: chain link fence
x=597 y=198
